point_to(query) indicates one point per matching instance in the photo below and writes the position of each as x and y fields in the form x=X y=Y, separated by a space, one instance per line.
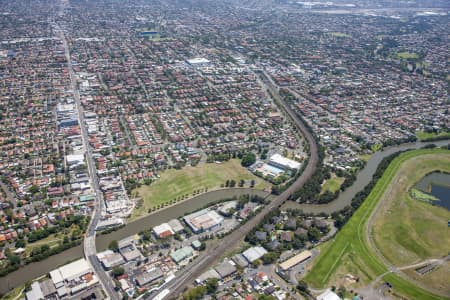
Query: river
x=34 y=270
x=362 y=179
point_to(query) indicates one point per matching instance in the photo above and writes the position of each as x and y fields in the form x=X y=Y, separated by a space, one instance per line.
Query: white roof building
x=254 y=253
x=328 y=295
x=163 y=230
x=70 y=271
x=284 y=162
x=35 y=293
x=198 y=61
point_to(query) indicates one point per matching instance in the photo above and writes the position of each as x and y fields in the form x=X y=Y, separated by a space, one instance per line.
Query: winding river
x=37 y=269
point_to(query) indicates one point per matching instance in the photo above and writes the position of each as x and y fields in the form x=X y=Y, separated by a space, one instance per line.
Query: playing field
x=333 y=184
x=350 y=252
x=406 y=55
x=177 y=183
x=423 y=136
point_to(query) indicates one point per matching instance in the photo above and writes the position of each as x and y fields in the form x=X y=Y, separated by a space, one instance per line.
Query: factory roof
x=286 y=265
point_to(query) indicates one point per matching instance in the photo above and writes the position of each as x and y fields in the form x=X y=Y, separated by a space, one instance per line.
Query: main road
x=89 y=248
x=209 y=257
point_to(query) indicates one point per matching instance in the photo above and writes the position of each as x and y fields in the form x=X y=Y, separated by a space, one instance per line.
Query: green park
x=412 y=227
x=176 y=185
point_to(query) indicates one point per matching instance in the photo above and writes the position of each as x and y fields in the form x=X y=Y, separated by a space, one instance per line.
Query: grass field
x=176 y=183
x=350 y=246
x=424 y=136
x=422 y=233
x=406 y=55
x=333 y=184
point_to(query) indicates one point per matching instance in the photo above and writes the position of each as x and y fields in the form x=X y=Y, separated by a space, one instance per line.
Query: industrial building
x=163 y=231
x=110 y=259
x=254 y=253
x=73 y=278
x=203 y=220
x=181 y=254
x=295 y=260
x=129 y=250
x=283 y=163
x=149 y=276
x=175 y=225
x=225 y=269
x=328 y=295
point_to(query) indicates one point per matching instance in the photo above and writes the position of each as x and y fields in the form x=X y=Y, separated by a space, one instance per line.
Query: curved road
x=208 y=258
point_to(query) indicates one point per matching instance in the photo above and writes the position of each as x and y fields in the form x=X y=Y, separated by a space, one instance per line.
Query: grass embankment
x=422 y=233
x=15 y=294
x=333 y=184
x=178 y=183
x=350 y=247
x=426 y=136
x=419 y=195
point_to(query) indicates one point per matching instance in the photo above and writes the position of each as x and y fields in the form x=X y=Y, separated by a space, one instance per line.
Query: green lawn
x=406 y=55
x=174 y=184
x=333 y=184
x=423 y=136
x=350 y=244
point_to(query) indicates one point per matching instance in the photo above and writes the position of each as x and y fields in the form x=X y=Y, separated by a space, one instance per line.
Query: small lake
x=438 y=185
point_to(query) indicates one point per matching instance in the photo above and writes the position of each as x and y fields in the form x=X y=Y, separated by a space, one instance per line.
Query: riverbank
x=363 y=177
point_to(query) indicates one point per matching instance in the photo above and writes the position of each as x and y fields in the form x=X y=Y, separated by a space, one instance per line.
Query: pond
x=438 y=185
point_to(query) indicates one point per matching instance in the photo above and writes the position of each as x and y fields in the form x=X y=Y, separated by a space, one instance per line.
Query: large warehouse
x=203 y=220
x=295 y=260
x=284 y=163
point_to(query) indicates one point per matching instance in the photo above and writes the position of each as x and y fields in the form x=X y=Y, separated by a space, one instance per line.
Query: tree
x=118 y=271
x=313 y=234
x=302 y=286
x=211 y=285
x=248 y=159
x=20 y=243
x=269 y=258
x=114 y=246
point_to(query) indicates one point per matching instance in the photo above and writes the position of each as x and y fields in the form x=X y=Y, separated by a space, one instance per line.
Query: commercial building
x=181 y=254
x=35 y=293
x=225 y=269
x=284 y=163
x=108 y=223
x=176 y=225
x=149 y=276
x=328 y=295
x=207 y=275
x=73 y=278
x=254 y=253
x=295 y=260
x=110 y=259
x=198 y=61
x=203 y=220
x=163 y=231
